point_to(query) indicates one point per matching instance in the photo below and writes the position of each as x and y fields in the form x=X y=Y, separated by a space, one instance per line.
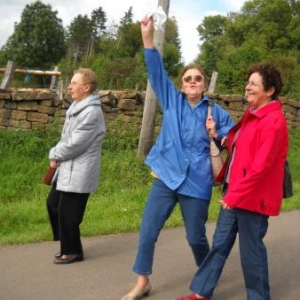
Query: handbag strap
x=209 y=115
x=214 y=150
x=208 y=109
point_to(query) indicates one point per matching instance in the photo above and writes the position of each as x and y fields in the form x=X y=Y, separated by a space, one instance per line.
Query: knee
x=199 y=240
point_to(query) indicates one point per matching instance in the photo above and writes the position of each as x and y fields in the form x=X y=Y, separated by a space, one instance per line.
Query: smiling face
x=256 y=94
x=193 y=85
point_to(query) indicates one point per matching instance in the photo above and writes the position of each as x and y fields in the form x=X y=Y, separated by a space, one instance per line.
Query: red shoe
x=192 y=297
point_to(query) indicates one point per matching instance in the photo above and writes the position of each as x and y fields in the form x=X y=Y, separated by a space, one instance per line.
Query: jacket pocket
x=172 y=159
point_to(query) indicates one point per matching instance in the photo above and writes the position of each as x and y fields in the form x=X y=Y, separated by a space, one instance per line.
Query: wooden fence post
x=8 y=75
x=60 y=89
x=53 y=79
x=213 y=82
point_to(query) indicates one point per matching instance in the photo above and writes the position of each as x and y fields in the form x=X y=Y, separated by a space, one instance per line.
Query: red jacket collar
x=272 y=106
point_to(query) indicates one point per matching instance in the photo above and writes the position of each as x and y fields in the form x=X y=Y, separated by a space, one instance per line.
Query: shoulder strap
x=208 y=109
x=208 y=115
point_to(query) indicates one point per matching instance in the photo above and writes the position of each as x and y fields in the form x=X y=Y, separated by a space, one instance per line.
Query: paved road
x=28 y=272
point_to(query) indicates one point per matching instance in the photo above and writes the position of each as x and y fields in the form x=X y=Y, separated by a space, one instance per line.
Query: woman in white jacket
x=77 y=159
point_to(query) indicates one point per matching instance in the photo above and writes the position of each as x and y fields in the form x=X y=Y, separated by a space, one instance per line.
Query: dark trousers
x=66 y=211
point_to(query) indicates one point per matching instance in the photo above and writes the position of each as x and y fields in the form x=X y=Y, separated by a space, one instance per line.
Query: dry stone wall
x=27 y=109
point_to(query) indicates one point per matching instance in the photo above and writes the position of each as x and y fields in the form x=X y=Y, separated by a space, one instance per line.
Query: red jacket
x=256 y=177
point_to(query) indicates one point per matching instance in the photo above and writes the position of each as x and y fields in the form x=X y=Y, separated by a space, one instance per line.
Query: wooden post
x=213 y=82
x=53 y=79
x=8 y=75
x=60 y=89
x=148 y=122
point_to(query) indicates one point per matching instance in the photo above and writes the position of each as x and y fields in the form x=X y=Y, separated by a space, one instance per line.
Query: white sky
x=188 y=13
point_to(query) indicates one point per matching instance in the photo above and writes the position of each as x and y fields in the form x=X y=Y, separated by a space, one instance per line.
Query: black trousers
x=66 y=211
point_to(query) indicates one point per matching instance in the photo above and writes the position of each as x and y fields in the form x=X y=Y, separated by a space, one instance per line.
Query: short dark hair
x=271 y=77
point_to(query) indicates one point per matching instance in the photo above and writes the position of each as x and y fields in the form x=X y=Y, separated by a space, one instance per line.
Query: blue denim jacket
x=180 y=156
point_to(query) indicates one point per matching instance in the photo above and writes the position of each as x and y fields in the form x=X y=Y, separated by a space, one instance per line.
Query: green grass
x=116 y=206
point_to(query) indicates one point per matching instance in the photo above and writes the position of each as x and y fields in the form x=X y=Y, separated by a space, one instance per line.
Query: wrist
x=213 y=134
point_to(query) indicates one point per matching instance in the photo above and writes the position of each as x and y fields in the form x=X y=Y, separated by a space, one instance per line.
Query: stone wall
x=31 y=108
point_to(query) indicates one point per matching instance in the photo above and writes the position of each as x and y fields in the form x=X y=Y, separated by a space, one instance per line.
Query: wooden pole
x=148 y=122
x=33 y=72
x=8 y=75
x=53 y=79
x=213 y=82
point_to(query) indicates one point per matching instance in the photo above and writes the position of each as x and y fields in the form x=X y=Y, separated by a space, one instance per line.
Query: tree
x=98 y=19
x=172 y=50
x=128 y=37
x=127 y=19
x=79 y=34
x=129 y=40
x=38 y=40
x=211 y=32
x=264 y=30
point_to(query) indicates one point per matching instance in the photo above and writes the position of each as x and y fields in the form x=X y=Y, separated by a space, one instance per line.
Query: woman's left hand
x=211 y=127
x=54 y=164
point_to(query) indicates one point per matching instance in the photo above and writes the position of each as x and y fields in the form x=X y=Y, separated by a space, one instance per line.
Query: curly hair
x=271 y=77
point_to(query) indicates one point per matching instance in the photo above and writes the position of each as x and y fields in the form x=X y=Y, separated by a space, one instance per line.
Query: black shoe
x=57 y=255
x=69 y=259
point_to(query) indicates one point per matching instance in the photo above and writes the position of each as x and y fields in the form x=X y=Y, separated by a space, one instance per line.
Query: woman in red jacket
x=253 y=185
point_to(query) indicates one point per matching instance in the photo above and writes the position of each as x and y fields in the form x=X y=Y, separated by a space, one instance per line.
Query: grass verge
x=117 y=205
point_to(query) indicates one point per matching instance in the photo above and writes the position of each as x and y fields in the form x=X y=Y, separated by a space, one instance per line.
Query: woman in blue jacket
x=179 y=160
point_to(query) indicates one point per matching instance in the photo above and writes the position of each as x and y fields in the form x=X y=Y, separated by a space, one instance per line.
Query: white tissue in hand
x=159 y=18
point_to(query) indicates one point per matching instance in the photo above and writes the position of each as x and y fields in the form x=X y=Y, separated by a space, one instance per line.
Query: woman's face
x=256 y=94
x=193 y=84
x=77 y=88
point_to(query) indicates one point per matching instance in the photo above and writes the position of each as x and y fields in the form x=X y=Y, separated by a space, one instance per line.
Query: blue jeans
x=159 y=207
x=252 y=228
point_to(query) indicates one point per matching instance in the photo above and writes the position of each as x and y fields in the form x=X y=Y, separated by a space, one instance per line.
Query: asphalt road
x=28 y=273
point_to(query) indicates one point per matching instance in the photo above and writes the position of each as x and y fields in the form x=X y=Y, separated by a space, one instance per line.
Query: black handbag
x=287 y=182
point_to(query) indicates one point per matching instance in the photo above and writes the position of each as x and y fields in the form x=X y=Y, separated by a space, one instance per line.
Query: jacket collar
x=272 y=106
x=77 y=107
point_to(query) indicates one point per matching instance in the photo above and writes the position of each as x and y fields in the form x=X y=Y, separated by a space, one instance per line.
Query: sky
x=188 y=13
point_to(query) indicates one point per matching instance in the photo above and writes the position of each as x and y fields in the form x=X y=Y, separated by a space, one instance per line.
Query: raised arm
x=147 y=32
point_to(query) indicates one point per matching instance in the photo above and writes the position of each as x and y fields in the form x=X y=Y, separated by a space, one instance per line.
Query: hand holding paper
x=159 y=18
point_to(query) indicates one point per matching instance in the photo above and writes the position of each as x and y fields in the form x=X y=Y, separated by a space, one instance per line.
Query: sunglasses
x=197 y=78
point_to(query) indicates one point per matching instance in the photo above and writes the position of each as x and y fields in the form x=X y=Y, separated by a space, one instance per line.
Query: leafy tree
x=172 y=49
x=129 y=40
x=79 y=34
x=128 y=36
x=127 y=19
x=264 y=30
x=235 y=62
x=98 y=19
x=84 y=35
x=211 y=32
x=293 y=29
x=172 y=33
x=38 y=40
x=109 y=43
